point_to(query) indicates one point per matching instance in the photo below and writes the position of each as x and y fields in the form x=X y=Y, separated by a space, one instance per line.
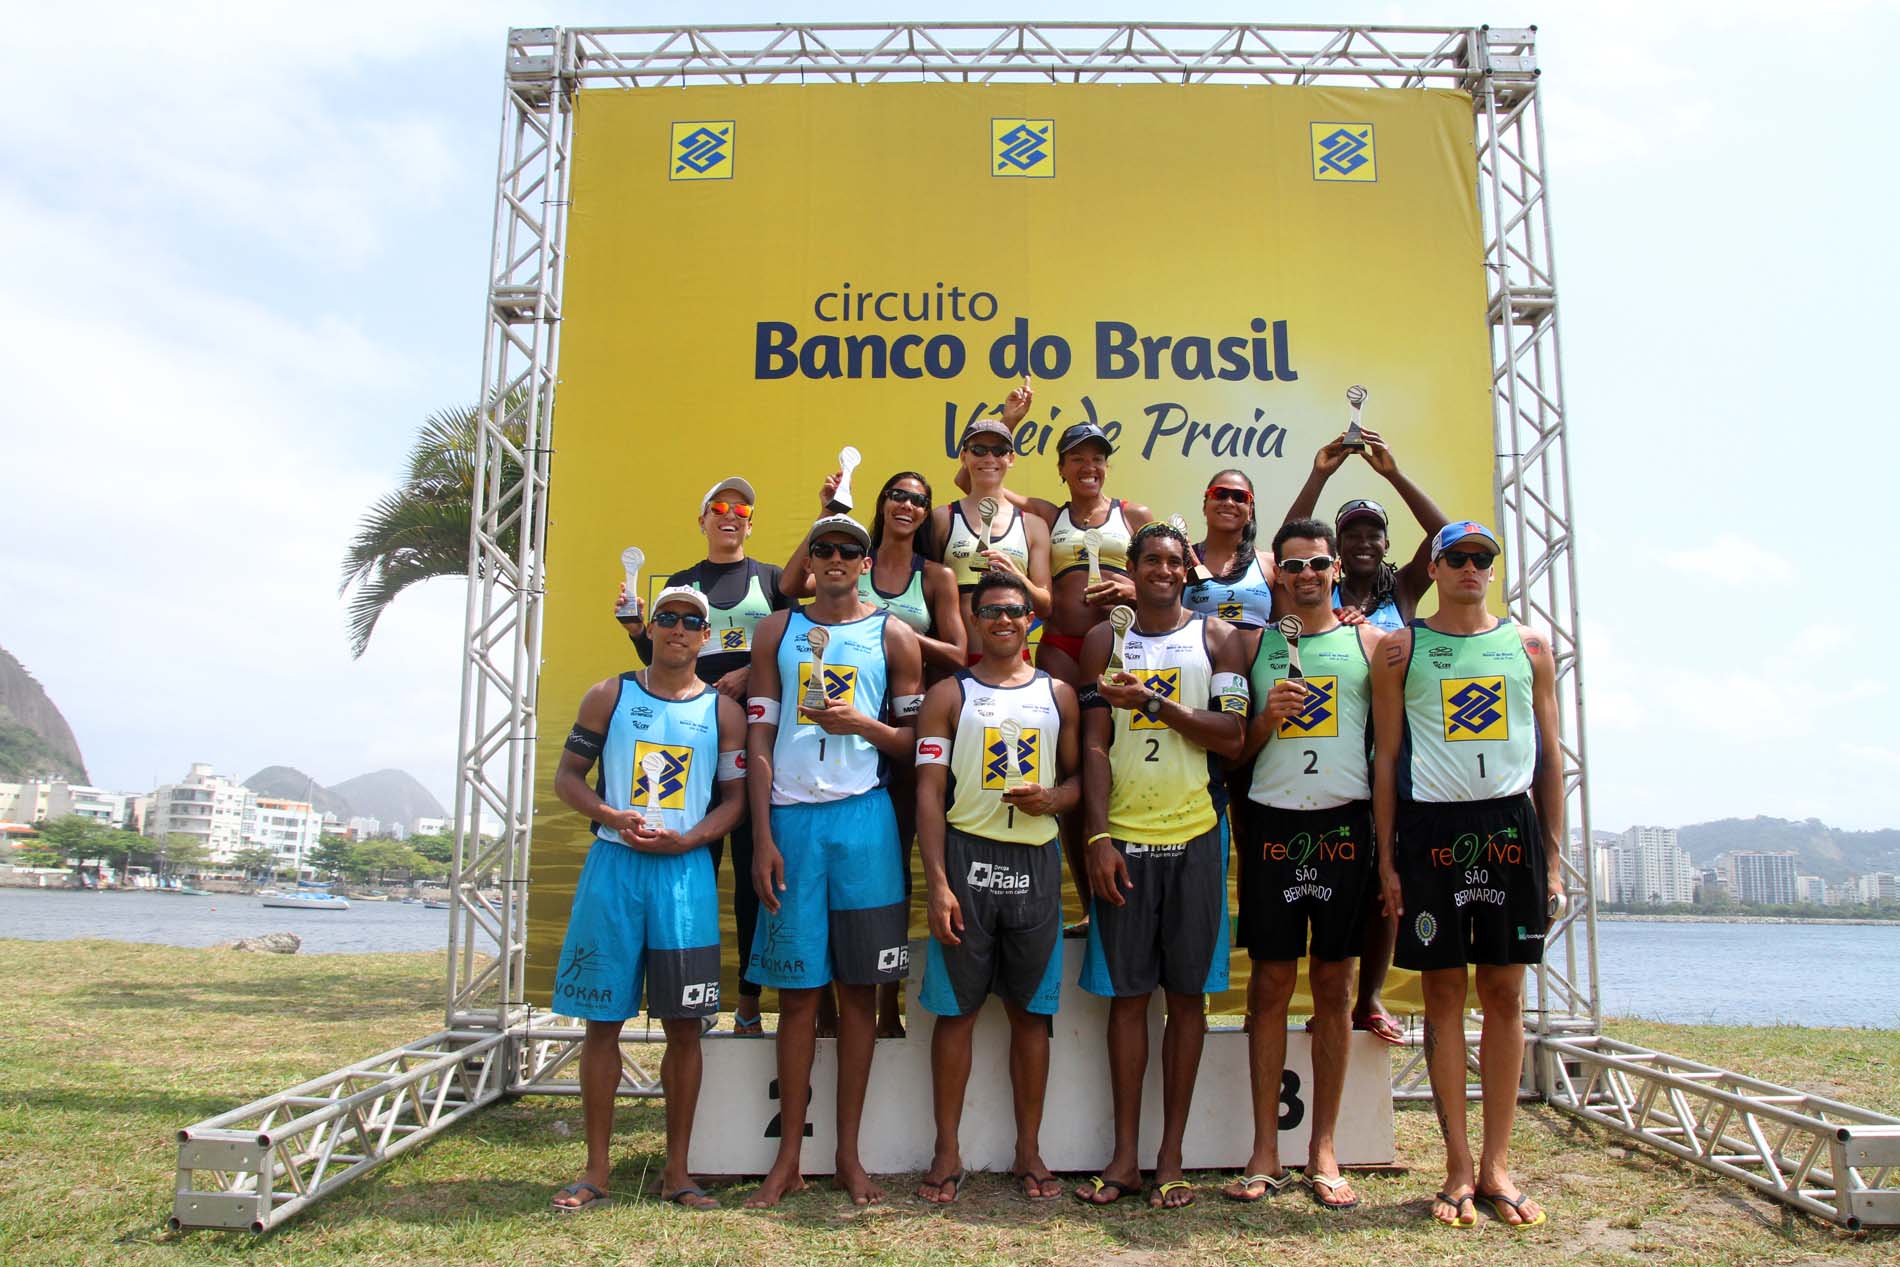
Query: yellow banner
x=757 y=276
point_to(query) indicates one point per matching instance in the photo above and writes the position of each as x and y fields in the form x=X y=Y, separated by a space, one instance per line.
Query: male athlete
x=1468 y=799
x=646 y=910
x=825 y=858
x=1157 y=845
x=1309 y=861
x=1003 y=737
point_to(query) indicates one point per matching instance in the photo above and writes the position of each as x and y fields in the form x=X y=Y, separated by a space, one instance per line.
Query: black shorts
x=1473 y=879
x=1011 y=899
x=1171 y=932
x=1301 y=869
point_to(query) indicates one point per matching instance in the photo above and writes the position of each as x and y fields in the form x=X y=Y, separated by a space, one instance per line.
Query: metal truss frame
x=1830 y=1159
x=257 y=1165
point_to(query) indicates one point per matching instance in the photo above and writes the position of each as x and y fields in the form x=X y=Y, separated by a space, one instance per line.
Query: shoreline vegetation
x=114 y=1046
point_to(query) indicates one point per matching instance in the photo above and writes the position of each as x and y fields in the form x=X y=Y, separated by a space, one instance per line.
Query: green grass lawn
x=109 y=1048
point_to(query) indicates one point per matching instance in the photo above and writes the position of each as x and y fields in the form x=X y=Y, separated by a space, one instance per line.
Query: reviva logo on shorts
x=1500 y=848
x=1333 y=845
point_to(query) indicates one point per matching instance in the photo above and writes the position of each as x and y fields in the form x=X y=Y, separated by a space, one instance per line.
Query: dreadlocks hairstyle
x=1244 y=552
x=1157 y=528
x=920 y=543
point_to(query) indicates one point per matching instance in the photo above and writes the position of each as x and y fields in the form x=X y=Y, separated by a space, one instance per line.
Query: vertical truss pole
x=507 y=528
x=1533 y=475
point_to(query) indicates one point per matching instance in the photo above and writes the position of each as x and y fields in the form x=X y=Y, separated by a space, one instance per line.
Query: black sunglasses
x=906 y=497
x=1480 y=559
x=1293 y=567
x=843 y=549
x=991 y=611
x=986 y=450
x=692 y=620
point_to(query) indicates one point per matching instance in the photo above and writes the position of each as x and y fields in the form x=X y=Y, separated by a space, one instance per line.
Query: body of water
x=1708 y=974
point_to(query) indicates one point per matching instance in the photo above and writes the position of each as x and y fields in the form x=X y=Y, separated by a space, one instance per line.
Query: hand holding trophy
x=632 y=559
x=1010 y=731
x=848 y=461
x=986 y=511
x=1119 y=619
x=1092 y=544
x=653 y=765
x=1354 y=441
x=814 y=697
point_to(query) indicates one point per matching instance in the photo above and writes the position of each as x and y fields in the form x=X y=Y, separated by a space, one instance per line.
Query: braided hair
x=1157 y=528
x=1244 y=552
x=920 y=542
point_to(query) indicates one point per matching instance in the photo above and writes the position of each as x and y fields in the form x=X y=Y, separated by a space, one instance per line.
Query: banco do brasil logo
x=701 y=150
x=1320 y=718
x=1343 y=151
x=1023 y=147
x=1474 y=708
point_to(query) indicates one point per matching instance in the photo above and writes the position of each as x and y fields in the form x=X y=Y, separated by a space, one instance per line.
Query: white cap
x=683 y=594
x=737 y=483
x=844 y=524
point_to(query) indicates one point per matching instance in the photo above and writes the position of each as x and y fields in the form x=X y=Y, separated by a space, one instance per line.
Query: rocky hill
x=1829 y=852
x=391 y=796
x=34 y=739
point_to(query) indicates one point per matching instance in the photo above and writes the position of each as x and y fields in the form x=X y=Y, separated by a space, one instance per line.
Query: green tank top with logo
x=1470 y=731
x=1318 y=759
x=908 y=604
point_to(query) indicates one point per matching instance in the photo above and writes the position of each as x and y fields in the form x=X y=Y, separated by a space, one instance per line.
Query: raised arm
x=1415 y=577
x=1330 y=457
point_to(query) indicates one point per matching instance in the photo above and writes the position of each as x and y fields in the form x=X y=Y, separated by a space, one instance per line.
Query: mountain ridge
x=35 y=740
x=389 y=796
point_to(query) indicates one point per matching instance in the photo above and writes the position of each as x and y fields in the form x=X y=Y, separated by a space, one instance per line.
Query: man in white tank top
x=1006 y=736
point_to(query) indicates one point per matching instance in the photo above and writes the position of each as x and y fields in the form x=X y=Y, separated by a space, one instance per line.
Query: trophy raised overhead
x=848 y=461
x=814 y=697
x=1354 y=441
x=632 y=559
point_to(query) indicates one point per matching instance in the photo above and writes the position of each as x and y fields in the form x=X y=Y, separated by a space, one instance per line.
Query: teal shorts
x=641 y=921
x=842 y=914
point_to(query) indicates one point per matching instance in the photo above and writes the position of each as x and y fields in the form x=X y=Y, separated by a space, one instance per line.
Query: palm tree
x=419 y=531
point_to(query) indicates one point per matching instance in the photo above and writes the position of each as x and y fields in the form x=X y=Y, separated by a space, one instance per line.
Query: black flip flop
x=1122 y=1191
x=1024 y=1181
x=953 y=1182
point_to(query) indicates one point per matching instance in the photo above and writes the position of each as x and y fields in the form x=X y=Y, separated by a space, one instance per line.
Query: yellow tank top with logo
x=959 y=552
x=1160 y=780
x=979 y=758
x=1067 y=553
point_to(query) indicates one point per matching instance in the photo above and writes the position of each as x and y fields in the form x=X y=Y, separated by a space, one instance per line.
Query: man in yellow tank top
x=1157 y=844
x=1468 y=803
x=999 y=742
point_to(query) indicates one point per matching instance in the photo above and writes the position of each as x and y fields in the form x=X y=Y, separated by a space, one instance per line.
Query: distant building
x=1881 y=888
x=363 y=828
x=431 y=826
x=289 y=829
x=213 y=809
x=1763 y=879
x=1711 y=885
x=1810 y=890
x=44 y=800
x=1648 y=867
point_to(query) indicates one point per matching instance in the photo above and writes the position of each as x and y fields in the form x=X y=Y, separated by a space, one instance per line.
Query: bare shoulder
x=1063 y=692
x=1370 y=638
x=1134 y=514
x=936 y=573
x=1536 y=643
x=731 y=712
x=1395 y=649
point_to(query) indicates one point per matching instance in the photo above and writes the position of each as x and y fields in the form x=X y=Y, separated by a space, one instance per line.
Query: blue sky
x=248 y=246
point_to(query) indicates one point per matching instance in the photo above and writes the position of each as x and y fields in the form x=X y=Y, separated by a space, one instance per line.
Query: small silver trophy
x=632 y=559
x=1009 y=730
x=1201 y=575
x=1092 y=543
x=848 y=460
x=986 y=512
x=815 y=698
x=1354 y=441
x=1291 y=628
x=1119 y=619
x=653 y=765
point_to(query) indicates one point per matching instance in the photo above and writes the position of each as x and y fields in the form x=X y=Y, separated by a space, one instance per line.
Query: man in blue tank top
x=835 y=691
x=646 y=910
x=1468 y=804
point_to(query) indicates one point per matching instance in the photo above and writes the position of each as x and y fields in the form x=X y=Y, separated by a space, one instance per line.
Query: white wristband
x=907 y=705
x=761 y=711
x=933 y=750
x=1231 y=693
x=731 y=766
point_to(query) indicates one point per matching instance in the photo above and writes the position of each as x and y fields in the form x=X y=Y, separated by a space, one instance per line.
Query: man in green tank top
x=1468 y=803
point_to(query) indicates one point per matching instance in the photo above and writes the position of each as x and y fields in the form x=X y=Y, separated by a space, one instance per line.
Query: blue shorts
x=842 y=914
x=641 y=919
